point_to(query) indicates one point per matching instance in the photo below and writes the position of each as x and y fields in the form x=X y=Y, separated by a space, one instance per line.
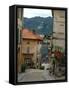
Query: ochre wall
x=33 y=45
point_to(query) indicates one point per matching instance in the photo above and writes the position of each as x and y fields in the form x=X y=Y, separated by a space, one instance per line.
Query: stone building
x=30 y=49
x=59 y=28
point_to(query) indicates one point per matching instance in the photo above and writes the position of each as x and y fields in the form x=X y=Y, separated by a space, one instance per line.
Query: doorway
x=28 y=62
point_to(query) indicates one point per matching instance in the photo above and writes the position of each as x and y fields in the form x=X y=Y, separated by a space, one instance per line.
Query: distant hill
x=41 y=25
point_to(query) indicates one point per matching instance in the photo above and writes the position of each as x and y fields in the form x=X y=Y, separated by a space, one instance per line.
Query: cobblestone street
x=35 y=75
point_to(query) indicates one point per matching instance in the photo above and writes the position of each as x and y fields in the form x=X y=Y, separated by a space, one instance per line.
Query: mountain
x=41 y=25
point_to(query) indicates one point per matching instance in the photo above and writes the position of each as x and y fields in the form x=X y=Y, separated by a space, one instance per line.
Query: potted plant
x=23 y=67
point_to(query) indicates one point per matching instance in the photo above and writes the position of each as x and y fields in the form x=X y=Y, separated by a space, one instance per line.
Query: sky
x=29 y=13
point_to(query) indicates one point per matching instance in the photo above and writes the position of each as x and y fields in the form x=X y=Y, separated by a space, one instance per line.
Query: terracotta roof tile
x=27 y=34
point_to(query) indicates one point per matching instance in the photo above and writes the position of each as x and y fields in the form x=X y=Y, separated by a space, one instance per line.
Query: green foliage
x=63 y=60
x=42 y=67
x=58 y=48
x=23 y=67
x=39 y=24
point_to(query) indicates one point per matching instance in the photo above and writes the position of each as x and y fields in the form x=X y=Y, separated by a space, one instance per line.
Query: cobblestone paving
x=36 y=75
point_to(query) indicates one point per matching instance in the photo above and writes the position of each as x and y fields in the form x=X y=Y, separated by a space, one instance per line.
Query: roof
x=27 y=34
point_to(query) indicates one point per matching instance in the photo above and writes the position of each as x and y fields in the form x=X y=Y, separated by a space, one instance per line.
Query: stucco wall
x=59 y=28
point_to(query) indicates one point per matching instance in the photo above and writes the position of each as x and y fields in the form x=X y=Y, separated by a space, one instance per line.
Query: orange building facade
x=29 y=51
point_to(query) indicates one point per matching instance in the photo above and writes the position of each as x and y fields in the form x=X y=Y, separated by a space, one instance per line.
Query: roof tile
x=27 y=34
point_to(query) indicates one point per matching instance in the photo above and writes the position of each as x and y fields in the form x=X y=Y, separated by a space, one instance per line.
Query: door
x=28 y=62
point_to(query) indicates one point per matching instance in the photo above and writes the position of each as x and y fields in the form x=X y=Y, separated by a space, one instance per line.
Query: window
x=37 y=60
x=28 y=42
x=61 y=16
x=61 y=24
x=38 y=42
x=28 y=49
